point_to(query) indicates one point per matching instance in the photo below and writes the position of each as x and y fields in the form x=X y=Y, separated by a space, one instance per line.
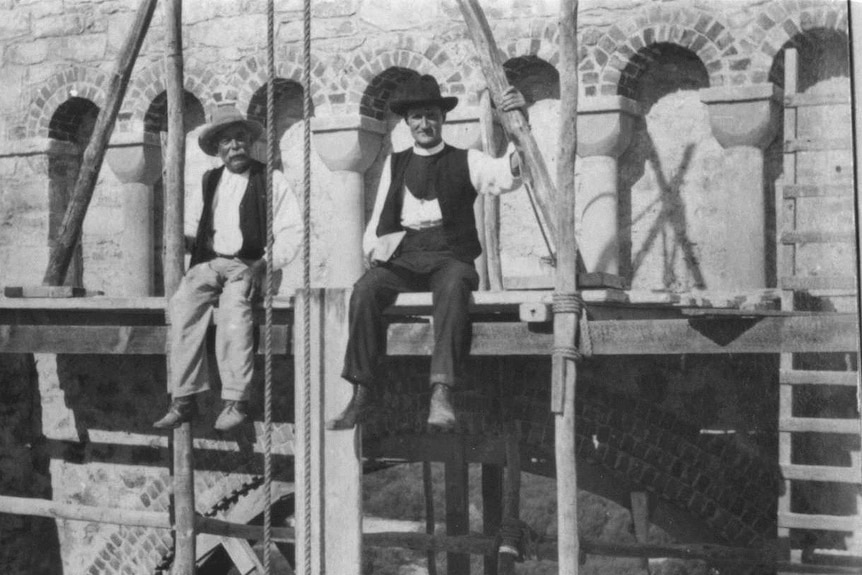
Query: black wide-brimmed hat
x=223 y=117
x=421 y=91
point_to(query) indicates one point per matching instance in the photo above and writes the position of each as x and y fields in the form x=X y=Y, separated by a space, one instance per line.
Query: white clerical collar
x=420 y=151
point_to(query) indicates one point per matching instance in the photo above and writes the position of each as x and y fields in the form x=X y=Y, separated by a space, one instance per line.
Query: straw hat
x=223 y=117
x=422 y=91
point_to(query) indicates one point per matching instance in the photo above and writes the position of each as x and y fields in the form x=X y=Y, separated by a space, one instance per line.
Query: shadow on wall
x=665 y=69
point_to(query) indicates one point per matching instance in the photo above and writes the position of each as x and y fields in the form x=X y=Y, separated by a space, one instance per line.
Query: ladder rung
x=820 y=522
x=817 y=237
x=804 y=377
x=816 y=144
x=819 y=283
x=818 y=425
x=822 y=473
x=817 y=191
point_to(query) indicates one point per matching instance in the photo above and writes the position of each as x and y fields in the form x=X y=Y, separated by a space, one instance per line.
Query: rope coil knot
x=572 y=302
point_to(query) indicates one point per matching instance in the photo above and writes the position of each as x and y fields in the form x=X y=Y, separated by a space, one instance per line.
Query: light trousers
x=191 y=313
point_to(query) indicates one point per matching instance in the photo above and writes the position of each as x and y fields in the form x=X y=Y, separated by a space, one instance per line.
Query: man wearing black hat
x=422 y=237
x=225 y=226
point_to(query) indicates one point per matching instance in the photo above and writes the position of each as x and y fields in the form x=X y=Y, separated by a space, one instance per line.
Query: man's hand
x=513 y=100
x=254 y=275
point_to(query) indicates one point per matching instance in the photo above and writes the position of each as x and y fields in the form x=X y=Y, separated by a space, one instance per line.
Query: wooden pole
x=492 y=203
x=185 y=553
x=855 y=17
x=430 y=522
x=70 y=230
x=566 y=324
x=457 y=508
x=511 y=497
x=514 y=122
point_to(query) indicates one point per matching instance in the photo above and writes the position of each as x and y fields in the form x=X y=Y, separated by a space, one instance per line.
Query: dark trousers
x=448 y=279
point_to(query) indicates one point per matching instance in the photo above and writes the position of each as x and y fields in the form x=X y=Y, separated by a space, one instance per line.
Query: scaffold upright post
x=183 y=455
x=566 y=324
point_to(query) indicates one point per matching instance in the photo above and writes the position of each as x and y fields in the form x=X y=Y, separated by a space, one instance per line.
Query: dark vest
x=456 y=196
x=252 y=215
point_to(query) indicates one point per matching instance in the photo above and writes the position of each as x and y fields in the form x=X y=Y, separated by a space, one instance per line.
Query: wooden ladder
x=811 y=529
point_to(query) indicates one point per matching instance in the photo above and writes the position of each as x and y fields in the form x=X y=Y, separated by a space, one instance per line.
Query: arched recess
x=663 y=170
x=70 y=128
x=288 y=109
x=156 y=123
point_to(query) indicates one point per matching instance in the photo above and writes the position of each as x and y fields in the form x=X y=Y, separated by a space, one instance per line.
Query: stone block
x=14 y=24
x=30 y=53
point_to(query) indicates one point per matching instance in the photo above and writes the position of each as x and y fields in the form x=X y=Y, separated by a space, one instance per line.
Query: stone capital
x=348 y=143
x=605 y=125
x=135 y=158
x=744 y=115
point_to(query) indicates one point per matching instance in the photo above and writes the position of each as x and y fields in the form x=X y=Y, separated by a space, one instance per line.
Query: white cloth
x=488 y=175
x=227 y=236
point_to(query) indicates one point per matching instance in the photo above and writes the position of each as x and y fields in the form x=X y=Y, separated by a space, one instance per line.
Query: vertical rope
x=270 y=288
x=306 y=276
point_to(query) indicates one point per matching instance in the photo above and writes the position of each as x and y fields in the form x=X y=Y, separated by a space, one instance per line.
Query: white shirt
x=487 y=174
x=227 y=236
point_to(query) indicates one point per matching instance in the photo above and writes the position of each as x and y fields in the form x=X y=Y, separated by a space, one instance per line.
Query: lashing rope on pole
x=270 y=288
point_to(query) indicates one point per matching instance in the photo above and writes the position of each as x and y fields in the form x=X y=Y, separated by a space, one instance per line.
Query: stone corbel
x=605 y=125
x=348 y=143
x=744 y=115
x=135 y=158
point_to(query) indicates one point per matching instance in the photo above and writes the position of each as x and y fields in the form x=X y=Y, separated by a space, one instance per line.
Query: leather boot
x=441 y=414
x=357 y=411
x=182 y=409
x=233 y=413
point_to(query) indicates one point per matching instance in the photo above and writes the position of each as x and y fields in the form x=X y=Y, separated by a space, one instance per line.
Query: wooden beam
x=104 y=339
x=70 y=230
x=430 y=521
x=514 y=122
x=492 y=509
x=492 y=203
x=457 y=508
x=243 y=556
x=824 y=333
x=511 y=497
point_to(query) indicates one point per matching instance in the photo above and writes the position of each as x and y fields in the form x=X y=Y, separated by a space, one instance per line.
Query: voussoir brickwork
x=72 y=82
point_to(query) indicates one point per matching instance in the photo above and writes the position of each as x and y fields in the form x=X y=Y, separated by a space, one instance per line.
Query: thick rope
x=573 y=303
x=306 y=278
x=270 y=288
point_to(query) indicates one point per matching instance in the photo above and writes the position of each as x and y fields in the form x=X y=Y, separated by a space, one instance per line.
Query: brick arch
x=72 y=82
x=607 y=71
x=148 y=83
x=541 y=42
x=253 y=73
x=368 y=76
x=537 y=78
x=776 y=27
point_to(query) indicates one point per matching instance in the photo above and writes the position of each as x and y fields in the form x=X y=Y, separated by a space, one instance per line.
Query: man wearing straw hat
x=422 y=236
x=225 y=228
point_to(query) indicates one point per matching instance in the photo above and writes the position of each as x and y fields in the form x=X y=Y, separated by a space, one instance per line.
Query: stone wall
x=677 y=187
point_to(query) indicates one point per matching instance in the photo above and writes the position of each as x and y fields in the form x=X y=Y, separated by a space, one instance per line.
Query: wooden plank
x=492 y=510
x=102 y=303
x=242 y=555
x=817 y=144
x=48 y=291
x=826 y=333
x=484 y=449
x=514 y=122
x=640 y=520
x=91 y=163
x=818 y=425
x=805 y=100
x=457 y=508
x=111 y=340
x=815 y=283
x=820 y=522
x=817 y=237
x=430 y=521
x=793 y=191
x=805 y=377
x=822 y=473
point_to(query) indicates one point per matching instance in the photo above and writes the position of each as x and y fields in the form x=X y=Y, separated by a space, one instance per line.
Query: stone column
x=605 y=125
x=744 y=120
x=348 y=146
x=137 y=162
x=329 y=466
